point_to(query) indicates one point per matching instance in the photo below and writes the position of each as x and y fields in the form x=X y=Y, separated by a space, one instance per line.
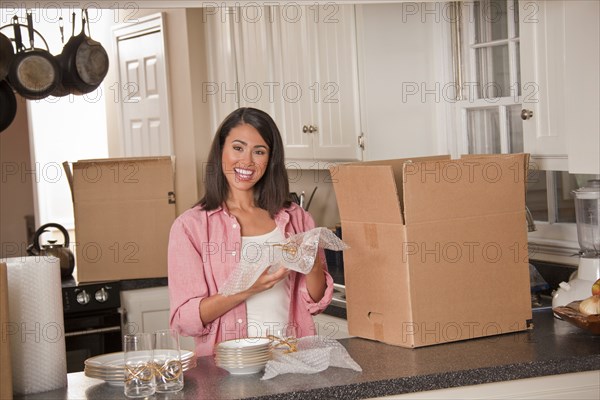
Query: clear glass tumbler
x=167 y=361
x=139 y=373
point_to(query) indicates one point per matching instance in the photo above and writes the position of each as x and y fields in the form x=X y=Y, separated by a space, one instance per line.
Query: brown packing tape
x=6 y=389
x=371 y=236
x=378 y=332
x=377 y=321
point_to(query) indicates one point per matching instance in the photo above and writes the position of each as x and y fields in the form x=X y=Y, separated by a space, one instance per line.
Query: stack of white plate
x=243 y=356
x=111 y=367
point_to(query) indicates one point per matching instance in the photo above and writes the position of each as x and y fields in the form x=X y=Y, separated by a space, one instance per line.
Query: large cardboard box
x=438 y=248
x=124 y=208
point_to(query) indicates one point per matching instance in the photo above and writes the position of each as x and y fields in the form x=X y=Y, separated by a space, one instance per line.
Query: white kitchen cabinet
x=559 y=83
x=297 y=63
x=331 y=327
x=401 y=62
x=582 y=87
x=319 y=112
x=147 y=310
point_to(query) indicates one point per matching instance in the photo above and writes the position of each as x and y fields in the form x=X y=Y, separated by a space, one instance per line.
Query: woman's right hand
x=216 y=305
x=267 y=280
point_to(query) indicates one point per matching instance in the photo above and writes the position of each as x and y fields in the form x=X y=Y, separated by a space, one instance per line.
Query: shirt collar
x=219 y=209
x=282 y=215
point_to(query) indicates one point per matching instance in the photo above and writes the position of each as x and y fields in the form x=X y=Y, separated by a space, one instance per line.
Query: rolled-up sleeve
x=312 y=306
x=187 y=282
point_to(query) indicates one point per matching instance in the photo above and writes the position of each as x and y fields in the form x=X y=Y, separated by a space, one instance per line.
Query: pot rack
x=20 y=25
x=61 y=27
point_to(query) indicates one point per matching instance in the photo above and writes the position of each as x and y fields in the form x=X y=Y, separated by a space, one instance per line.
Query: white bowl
x=244 y=344
x=246 y=370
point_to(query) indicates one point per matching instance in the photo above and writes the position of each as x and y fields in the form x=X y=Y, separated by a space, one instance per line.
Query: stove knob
x=83 y=297
x=101 y=295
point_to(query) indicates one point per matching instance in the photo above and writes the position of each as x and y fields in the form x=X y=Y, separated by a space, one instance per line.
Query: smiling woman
x=245 y=157
x=247 y=153
x=245 y=207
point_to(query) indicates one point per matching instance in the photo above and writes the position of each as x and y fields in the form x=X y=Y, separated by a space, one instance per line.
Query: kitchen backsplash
x=323 y=207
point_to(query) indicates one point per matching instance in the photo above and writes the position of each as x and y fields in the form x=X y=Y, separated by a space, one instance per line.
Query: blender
x=587 y=211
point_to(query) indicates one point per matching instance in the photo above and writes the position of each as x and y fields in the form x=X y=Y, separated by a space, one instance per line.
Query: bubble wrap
x=297 y=253
x=315 y=354
x=36 y=324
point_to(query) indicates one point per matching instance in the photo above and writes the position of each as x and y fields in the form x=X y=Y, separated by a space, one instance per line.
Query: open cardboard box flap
x=124 y=209
x=373 y=182
x=114 y=179
x=468 y=187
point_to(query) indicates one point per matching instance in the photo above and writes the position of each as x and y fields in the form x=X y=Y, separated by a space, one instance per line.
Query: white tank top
x=268 y=309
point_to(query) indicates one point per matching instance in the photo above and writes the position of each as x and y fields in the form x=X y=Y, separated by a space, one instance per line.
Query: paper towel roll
x=36 y=324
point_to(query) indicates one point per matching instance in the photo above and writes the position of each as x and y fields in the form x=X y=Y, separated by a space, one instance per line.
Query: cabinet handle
x=309 y=129
x=526 y=114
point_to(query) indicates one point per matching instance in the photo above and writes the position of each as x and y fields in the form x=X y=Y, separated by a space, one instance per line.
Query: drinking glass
x=139 y=374
x=167 y=361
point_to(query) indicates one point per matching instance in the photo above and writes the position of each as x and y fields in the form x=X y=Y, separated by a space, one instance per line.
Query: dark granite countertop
x=552 y=347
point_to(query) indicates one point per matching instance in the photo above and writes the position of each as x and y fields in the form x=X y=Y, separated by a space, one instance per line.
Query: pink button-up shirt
x=204 y=249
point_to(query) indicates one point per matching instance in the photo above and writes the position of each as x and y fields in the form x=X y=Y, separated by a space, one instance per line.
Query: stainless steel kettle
x=60 y=251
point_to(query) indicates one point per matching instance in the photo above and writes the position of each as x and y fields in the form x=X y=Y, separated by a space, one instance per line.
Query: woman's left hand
x=267 y=280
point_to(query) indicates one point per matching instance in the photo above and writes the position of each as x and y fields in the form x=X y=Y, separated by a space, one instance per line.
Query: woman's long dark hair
x=272 y=190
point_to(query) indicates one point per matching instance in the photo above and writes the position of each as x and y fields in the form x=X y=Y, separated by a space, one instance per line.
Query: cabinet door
x=293 y=68
x=147 y=310
x=297 y=63
x=542 y=80
x=221 y=90
x=331 y=327
x=334 y=85
x=317 y=70
x=582 y=89
x=560 y=85
x=254 y=54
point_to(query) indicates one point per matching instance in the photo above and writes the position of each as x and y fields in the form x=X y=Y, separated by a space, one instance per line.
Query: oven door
x=91 y=335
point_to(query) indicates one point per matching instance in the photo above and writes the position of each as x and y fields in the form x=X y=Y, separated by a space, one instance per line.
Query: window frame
x=468 y=76
x=552 y=241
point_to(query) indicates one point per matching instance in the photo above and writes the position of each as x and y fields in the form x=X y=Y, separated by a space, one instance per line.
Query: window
x=488 y=79
x=487 y=71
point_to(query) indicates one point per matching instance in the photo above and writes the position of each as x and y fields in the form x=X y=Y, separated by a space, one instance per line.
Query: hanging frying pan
x=34 y=73
x=61 y=90
x=83 y=61
x=7 y=53
x=9 y=105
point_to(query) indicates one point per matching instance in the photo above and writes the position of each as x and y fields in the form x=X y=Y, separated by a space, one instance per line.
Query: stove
x=92 y=314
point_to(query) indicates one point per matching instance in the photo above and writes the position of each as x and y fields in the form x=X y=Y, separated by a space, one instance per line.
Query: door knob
x=305 y=129
x=526 y=114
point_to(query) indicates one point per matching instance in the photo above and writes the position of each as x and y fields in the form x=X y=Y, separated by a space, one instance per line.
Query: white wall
x=16 y=185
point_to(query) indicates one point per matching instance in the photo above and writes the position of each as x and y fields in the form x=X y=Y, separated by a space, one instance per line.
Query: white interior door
x=144 y=104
